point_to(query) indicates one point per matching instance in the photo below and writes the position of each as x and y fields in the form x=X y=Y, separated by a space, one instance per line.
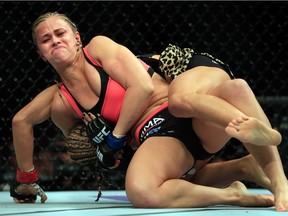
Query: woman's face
x=56 y=41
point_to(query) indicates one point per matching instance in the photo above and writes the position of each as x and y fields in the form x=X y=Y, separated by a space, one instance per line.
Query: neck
x=73 y=73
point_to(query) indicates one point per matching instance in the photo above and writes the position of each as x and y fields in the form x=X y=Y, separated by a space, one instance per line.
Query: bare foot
x=281 y=199
x=244 y=198
x=254 y=173
x=251 y=130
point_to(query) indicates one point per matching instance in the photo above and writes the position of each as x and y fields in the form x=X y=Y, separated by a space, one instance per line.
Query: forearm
x=23 y=144
x=139 y=88
x=25 y=188
x=123 y=67
x=37 y=111
x=134 y=104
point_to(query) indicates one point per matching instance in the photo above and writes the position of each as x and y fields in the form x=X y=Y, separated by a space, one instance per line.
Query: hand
x=99 y=133
x=25 y=188
x=107 y=157
x=27 y=193
x=97 y=128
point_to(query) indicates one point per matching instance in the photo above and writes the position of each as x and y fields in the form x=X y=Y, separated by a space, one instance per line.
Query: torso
x=159 y=97
x=84 y=93
x=88 y=88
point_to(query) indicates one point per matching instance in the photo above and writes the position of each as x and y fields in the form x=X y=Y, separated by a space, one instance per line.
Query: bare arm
x=37 y=111
x=122 y=65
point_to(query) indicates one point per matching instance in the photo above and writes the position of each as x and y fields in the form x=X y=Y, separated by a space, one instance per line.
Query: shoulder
x=101 y=47
x=100 y=39
x=101 y=42
x=49 y=91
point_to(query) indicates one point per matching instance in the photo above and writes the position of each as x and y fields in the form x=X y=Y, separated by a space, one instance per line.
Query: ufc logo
x=99 y=154
x=101 y=135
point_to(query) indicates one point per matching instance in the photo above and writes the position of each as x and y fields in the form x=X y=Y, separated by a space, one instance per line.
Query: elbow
x=19 y=120
x=148 y=88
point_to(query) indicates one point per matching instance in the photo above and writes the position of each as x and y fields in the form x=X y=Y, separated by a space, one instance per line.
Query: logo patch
x=100 y=137
x=151 y=127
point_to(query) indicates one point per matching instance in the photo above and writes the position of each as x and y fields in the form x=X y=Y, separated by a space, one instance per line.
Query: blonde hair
x=43 y=17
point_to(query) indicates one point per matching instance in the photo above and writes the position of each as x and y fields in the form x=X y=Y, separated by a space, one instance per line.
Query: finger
x=88 y=117
x=29 y=200
x=91 y=115
x=40 y=192
x=16 y=200
x=119 y=155
x=85 y=118
x=44 y=198
x=117 y=163
x=24 y=201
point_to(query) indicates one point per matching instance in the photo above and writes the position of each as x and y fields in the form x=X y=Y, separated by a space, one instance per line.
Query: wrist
x=118 y=136
x=27 y=177
x=27 y=170
x=116 y=142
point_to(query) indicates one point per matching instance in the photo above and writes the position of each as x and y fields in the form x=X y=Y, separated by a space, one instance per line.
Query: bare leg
x=194 y=94
x=223 y=104
x=223 y=173
x=152 y=180
x=260 y=132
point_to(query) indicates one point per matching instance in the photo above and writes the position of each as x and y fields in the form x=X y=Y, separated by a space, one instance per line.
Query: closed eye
x=60 y=32
x=45 y=40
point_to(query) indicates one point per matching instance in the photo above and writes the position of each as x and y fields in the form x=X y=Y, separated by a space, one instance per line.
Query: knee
x=142 y=197
x=239 y=87
x=178 y=104
x=174 y=102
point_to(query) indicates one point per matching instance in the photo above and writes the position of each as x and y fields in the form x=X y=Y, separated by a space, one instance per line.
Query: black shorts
x=163 y=123
x=198 y=59
x=205 y=59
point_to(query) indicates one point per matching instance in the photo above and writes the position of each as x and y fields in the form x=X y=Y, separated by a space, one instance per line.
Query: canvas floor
x=115 y=203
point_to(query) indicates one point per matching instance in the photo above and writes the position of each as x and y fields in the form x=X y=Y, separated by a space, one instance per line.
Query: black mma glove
x=107 y=145
x=98 y=130
x=25 y=187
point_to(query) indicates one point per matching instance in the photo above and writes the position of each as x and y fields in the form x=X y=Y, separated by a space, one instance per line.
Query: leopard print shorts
x=174 y=60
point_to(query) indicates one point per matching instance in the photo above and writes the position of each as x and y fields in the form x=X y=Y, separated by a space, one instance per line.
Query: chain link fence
x=250 y=36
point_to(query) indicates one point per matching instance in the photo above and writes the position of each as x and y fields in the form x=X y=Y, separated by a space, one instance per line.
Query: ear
x=41 y=55
x=77 y=36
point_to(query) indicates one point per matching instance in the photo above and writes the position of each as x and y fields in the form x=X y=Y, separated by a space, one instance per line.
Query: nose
x=55 y=41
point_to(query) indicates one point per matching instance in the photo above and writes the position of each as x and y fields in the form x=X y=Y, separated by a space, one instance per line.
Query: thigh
x=200 y=79
x=157 y=160
x=213 y=138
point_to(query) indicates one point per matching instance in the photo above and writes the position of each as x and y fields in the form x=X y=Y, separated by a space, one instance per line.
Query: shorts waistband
x=137 y=131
